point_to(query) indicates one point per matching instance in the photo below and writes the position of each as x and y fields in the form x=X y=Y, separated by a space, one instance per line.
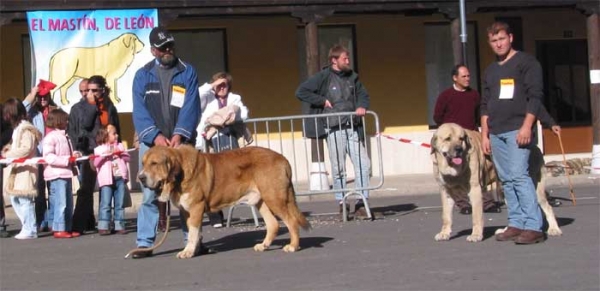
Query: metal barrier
x=285 y=136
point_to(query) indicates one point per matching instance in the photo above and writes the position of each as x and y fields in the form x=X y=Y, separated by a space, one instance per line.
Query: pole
x=463 y=32
x=593 y=38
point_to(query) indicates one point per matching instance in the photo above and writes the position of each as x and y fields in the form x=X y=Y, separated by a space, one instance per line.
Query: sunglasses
x=93 y=90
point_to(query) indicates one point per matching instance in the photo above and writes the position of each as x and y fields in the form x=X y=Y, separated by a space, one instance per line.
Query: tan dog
x=197 y=182
x=110 y=60
x=461 y=169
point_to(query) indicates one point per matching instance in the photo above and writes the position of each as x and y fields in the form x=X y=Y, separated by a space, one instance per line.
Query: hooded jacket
x=20 y=179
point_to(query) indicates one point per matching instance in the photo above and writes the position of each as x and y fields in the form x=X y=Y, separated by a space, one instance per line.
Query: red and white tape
x=404 y=140
x=41 y=161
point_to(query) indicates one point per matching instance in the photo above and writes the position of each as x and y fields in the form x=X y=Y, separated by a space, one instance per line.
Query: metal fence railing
x=309 y=161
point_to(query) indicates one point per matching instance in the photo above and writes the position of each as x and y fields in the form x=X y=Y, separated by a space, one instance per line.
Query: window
x=205 y=49
x=566 y=78
x=439 y=61
x=329 y=35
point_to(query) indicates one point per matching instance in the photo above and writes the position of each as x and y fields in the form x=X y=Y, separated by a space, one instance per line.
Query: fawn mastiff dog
x=110 y=60
x=197 y=182
x=461 y=168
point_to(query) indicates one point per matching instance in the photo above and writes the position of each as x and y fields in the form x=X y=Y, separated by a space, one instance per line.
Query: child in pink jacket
x=113 y=173
x=60 y=158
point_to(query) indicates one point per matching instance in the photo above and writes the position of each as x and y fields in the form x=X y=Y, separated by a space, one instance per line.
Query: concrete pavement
x=401 y=185
x=395 y=252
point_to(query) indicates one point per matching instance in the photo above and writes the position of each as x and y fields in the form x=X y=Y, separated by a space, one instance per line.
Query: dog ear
x=468 y=141
x=433 y=143
x=174 y=164
x=127 y=41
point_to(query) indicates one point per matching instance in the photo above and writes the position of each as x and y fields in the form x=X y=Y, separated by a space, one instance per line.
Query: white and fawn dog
x=461 y=169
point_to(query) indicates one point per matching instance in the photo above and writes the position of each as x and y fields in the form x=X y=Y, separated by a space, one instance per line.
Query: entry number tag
x=507 y=88
x=177 y=96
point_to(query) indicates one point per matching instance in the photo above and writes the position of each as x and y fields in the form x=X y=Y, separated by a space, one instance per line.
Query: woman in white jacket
x=220 y=108
x=222 y=114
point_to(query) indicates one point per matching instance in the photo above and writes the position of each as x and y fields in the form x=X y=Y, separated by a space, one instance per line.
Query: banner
x=68 y=46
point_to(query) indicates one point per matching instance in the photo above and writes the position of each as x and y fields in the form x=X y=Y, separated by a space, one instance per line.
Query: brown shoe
x=142 y=254
x=360 y=212
x=510 y=234
x=530 y=237
x=121 y=231
x=103 y=232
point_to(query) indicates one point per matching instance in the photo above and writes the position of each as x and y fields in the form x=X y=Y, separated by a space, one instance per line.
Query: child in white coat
x=20 y=179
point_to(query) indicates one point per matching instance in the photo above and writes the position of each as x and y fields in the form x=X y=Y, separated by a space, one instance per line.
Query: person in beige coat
x=20 y=179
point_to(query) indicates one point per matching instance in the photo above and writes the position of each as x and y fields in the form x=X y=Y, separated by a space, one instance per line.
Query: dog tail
x=297 y=215
x=292 y=209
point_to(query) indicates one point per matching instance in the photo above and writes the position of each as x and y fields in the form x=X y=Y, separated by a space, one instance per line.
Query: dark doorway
x=566 y=79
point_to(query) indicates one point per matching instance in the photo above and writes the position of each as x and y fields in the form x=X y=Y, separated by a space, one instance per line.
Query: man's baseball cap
x=159 y=36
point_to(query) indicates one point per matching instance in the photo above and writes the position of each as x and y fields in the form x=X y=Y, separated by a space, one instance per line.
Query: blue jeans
x=512 y=165
x=61 y=197
x=49 y=214
x=341 y=142
x=115 y=191
x=147 y=221
x=24 y=207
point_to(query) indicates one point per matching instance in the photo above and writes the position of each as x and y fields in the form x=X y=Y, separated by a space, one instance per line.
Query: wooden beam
x=593 y=39
x=456 y=43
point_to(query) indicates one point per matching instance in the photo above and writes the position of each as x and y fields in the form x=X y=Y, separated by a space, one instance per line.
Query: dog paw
x=259 y=247
x=290 y=248
x=474 y=238
x=185 y=254
x=442 y=236
x=554 y=231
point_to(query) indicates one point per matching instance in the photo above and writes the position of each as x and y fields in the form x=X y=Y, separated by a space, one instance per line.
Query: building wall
x=263 y=59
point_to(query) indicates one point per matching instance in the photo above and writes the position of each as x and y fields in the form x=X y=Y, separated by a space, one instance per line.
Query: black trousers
x=41 y=204
x=83 y=216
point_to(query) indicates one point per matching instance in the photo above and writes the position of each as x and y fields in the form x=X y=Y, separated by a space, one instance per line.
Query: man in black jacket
x=82 y=128
x=510 y=105
x=332 y=90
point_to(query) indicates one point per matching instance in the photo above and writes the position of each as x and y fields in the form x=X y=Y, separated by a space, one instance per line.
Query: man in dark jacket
x=166 y=111
x=337 y=89
x=511 y=103
x=82 y=128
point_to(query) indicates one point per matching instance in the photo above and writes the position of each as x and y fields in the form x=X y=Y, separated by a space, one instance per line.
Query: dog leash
x=160 y=242
x=573 y=200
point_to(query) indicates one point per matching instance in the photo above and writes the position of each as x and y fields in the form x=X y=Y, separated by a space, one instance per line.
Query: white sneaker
x=26 y=236
x=217 y=225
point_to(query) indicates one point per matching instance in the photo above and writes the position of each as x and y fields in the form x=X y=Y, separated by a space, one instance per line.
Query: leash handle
x=562 y=150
